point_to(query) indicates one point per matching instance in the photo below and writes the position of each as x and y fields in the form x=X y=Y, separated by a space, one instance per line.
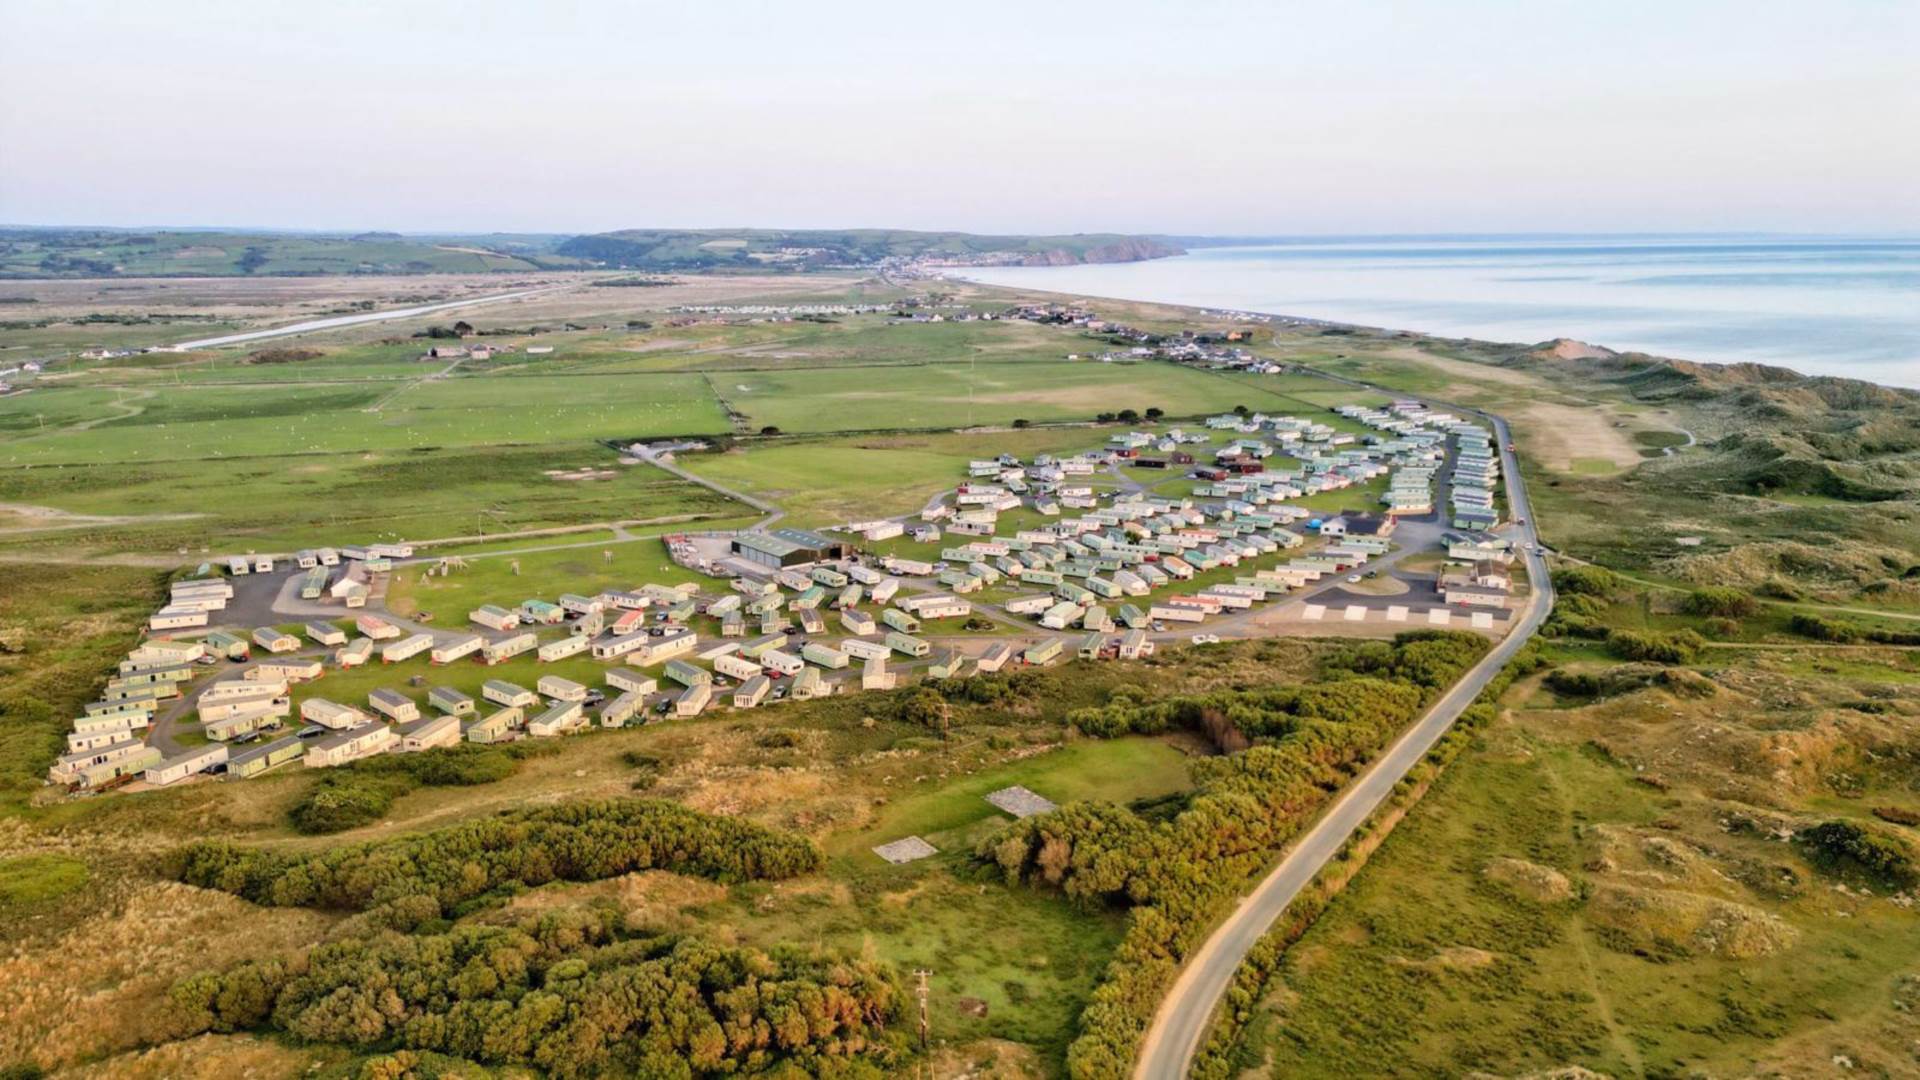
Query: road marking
x=1356 y=613
x=1313 y=612
x=1440 y=617
x=1482 y=620
x=1396 y=613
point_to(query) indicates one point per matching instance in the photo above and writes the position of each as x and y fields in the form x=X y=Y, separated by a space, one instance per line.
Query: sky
x=1198 y=117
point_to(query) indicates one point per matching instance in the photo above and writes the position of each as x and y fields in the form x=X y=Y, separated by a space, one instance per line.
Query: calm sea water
x=1823 y=306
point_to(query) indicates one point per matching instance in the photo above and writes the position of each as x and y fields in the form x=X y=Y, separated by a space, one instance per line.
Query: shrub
x=1671 y=647
x=1586 y=580
x=1721 y=600
x=1844 y=846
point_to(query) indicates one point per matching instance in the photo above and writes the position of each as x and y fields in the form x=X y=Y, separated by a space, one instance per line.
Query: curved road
x=1185 y=1016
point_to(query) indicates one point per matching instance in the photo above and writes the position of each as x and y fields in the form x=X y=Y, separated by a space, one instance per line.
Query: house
x=351 y=745
x=394 y=705
x=632 y=681
x=494 y=617
x=255 y=760
x=182 y=765
x=501 y=692
x=693 y=700
x=406 y=648
x=1368 y=524
x=1044 y=653
x=428 y=733
x=995 y=657
x=875 y=676
x=686 y=674
x=355 y=653
x=325 y=634
x=284 y=671
x=450 y=701
x=559 y=689
x=453 y=649
x=752 y=692
x=330 y=714
x=501 y=726
x=621 y=709
x=558 y=719
x=375 y=627
x=177 y=618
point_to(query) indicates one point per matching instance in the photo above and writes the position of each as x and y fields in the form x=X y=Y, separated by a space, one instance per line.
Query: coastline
x=1840 y=322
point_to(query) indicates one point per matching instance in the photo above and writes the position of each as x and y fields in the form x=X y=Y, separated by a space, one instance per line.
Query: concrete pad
x=1356 y=613
x=1313 y=612
x=1020 y=802
x=1396 y=613
x=905 y=851
x=1482 y=620
x=1440 y=617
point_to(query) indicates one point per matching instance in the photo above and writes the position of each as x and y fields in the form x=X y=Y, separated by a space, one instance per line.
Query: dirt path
x=433 y=376
x=52 y=519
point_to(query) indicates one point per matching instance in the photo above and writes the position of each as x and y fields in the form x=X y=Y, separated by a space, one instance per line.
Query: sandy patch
x=1560 y=435
x=1662 y=920
x=1529 y=881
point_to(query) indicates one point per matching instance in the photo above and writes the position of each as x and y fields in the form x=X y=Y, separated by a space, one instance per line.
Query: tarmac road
x=338 y=321
x=1186 y=1014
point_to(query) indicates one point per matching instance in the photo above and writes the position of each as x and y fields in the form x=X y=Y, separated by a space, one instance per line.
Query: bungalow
x=354 y=654
x=351 y=745
x=182 y=765
x=752 y=692
x=826 y=656
x=325 y=634
x=394 y=705
x=331 y=715
x=862 y=649
x=856 y=621
x=995 y=657
x=496 y=727
x=631 y=681
x=449 y=651
x=621 y=709
x=736 y=667
x=258 y=759
x=808 y=685
x=571 y=645
x=406 y=648
x=693 y=700
x=559 y=689
x=785 y=663
x=1044 y=653
x=906 y=644
x=875 y=676
x=450 y=701
x=428 y=733
x=496 y=652
x=247 y=720
x=375 y=627
x=167 y=652
x=494 y=617
x=284 y=671
x=177 y=618
x=949 y=664
x=559 y=719
x=501 y=692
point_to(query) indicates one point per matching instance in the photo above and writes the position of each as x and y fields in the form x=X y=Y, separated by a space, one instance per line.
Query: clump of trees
x=415 y=879
x=1586 y=581
x=1301 y=744
x=570 y=994
x=362 y=793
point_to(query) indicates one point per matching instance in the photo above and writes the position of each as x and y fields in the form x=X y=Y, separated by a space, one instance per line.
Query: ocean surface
x=1829 y=306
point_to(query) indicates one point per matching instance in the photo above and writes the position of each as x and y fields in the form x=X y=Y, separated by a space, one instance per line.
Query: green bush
x=1586 y=580
x=1653 y=646
x=362 y=792
x=1844 y=846
x=1721 y=600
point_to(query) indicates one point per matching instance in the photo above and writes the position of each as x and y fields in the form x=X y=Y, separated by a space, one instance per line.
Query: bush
x=1586 y=581
x=1671 y=647
x=361 y=793
x=1844 y=846
x=1721 y=600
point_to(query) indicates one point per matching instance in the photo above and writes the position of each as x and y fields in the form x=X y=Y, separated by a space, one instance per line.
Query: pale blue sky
x=1041 y=116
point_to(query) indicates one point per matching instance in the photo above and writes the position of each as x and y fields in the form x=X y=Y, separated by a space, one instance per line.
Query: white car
x=1206 y=639
x=1353 y=579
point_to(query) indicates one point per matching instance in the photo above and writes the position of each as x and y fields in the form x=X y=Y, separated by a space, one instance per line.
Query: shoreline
x=1851 y=353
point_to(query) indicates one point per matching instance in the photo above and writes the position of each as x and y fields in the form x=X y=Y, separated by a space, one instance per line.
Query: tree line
x=415 y=879
x=570 y=993
x=1302 y=743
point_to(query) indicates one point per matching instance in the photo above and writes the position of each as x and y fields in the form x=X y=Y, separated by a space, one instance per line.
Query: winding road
x=1186 y=1014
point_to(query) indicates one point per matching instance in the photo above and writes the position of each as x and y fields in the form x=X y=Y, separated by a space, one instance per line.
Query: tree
x=1019 y=425
x=463 y=328
x=770 y=430
x=1128 y=416
x=1155 y=412
x=1241 y=410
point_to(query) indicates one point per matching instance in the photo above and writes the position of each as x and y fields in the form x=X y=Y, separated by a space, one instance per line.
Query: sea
x=1847 y=306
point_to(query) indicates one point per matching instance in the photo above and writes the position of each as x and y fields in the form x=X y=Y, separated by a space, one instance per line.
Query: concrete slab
x=1313 y=612
x=1020 y=802
x=1482 y=620
x=1356 y=613
x=1396 y=613
x=905 y=850
x=1440 y=617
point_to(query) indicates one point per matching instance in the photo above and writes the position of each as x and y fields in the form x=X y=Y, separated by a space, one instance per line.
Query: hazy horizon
x=1488 y=117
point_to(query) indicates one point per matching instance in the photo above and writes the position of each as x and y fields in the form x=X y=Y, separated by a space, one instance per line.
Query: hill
x=802 y=249
x=87 y=252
